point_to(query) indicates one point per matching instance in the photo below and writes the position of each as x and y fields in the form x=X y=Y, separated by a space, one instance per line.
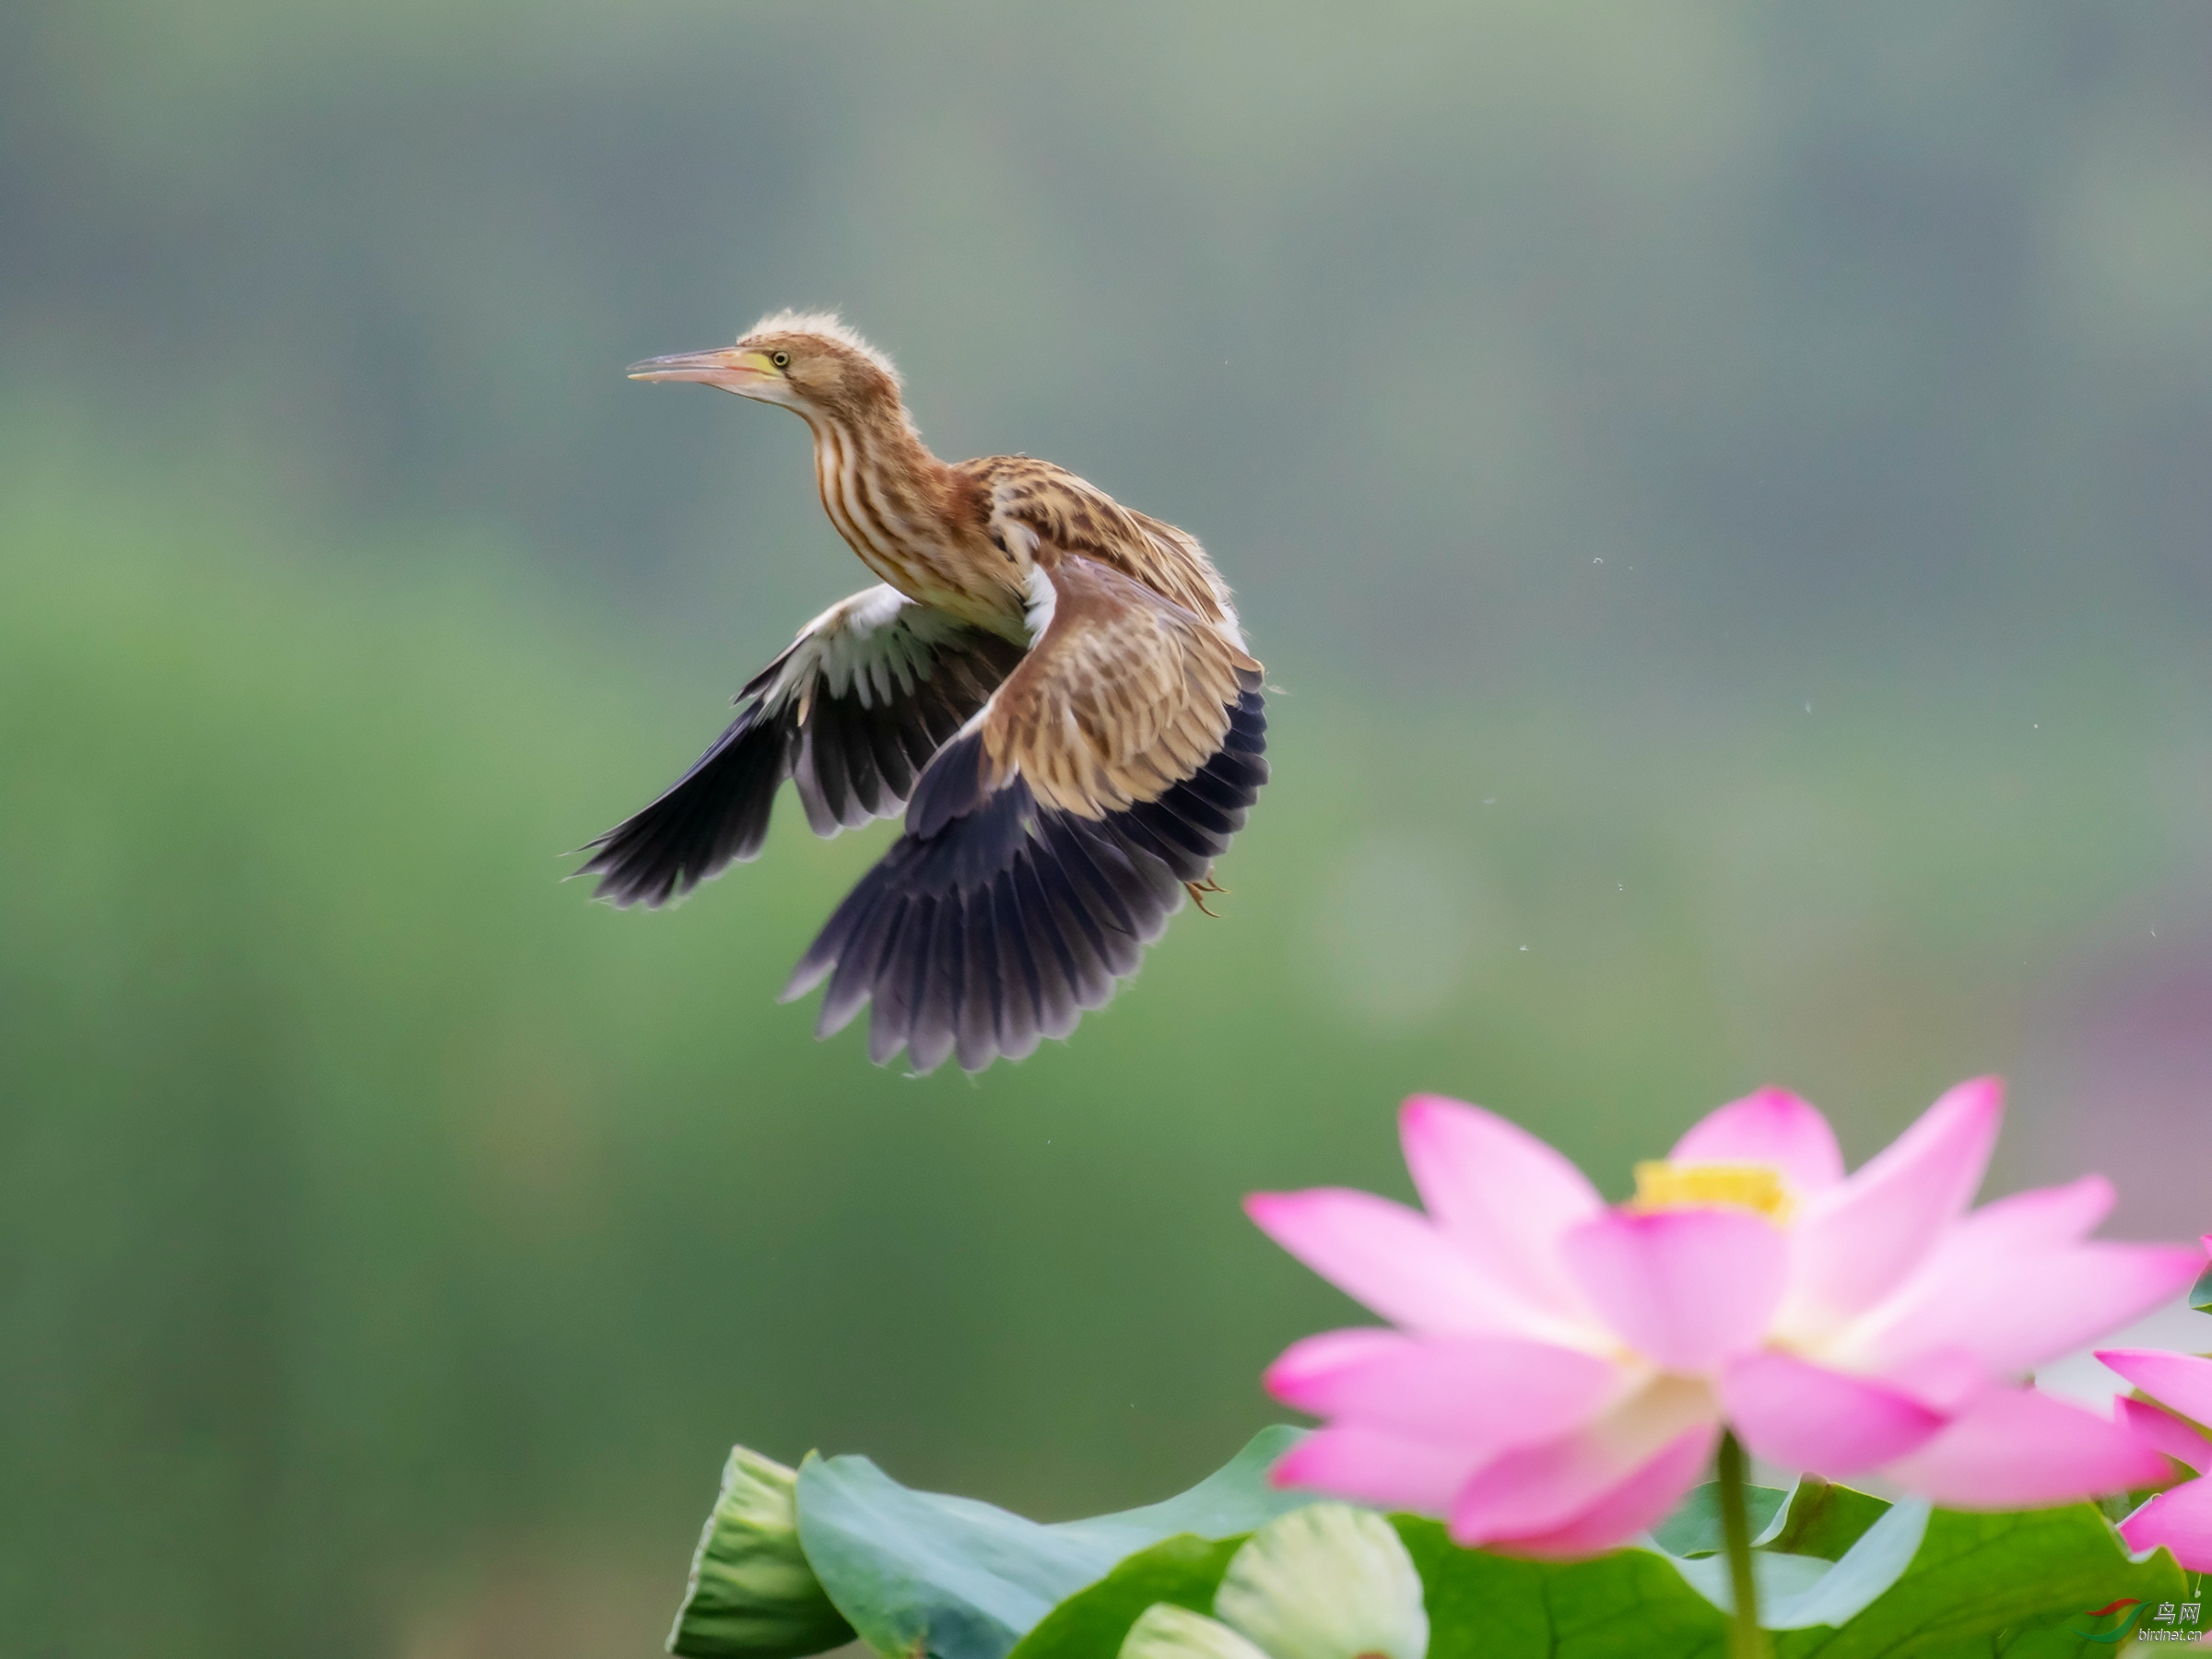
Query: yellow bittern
x=1053 y=688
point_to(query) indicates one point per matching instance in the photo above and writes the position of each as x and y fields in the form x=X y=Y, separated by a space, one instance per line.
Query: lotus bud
x=1325 y=1581
x=752 y=1594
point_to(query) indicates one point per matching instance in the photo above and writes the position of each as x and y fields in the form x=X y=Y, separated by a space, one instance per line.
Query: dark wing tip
x=715 y=815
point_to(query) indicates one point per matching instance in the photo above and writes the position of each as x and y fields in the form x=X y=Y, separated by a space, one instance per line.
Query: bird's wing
x=1037 y=504
x=1050 y=840
x=852 y=711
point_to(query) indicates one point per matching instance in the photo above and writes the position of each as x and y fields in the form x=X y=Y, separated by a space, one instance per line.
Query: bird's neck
x=876 y=476
x=893 y=501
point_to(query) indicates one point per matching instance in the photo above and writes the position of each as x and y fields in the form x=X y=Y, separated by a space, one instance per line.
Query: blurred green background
x=1723 y=490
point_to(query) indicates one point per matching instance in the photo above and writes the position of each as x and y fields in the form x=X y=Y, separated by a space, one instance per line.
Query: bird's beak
x=730 y=368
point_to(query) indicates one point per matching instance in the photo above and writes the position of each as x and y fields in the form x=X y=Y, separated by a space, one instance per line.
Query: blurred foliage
x=392 y=1242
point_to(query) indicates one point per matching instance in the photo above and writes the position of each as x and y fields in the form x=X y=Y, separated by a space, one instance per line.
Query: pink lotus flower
x=2181 y=1519
x=1562 y=1370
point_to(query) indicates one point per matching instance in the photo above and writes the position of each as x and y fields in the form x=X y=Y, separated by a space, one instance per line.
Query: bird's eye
x=782 y=359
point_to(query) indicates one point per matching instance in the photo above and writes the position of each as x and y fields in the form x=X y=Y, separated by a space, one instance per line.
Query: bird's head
x=809 y=361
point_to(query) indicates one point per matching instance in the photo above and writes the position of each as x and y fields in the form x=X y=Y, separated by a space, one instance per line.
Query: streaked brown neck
x=876 y=476
x=892 y=499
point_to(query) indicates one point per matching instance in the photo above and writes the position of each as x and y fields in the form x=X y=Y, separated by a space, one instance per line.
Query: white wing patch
x=875 y=645
x=1039 y=599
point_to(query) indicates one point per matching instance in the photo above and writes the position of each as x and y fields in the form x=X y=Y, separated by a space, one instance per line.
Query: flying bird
x=1051 y=687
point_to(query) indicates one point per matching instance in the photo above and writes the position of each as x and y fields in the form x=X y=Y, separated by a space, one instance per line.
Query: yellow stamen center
x=1661 y=1185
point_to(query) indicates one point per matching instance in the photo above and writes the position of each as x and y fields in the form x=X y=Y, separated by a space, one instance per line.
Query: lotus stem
x=1746 y=1640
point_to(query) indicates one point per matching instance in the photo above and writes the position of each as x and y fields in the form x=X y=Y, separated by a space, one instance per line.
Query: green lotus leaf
x=1978 y=1582
x=1184 y=1570
x=1800 y=1591
x=1823 y=1520
x=1694 y=1529
x=2015 y=1585
x=963 y=1580
x=1632 y=1603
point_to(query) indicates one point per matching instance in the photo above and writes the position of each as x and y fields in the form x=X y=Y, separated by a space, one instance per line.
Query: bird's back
x=1074 y=515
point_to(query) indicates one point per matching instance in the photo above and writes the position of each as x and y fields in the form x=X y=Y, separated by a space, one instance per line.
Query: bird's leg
x=1199 y=889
